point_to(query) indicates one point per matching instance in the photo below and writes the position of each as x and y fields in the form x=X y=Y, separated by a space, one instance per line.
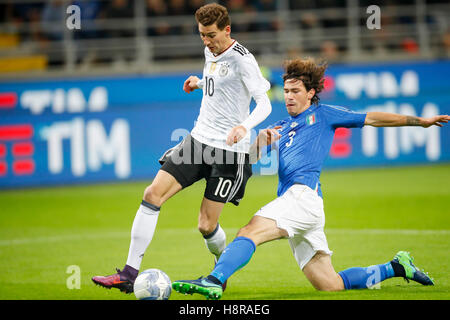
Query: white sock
x=216 y=241
x=142 y=231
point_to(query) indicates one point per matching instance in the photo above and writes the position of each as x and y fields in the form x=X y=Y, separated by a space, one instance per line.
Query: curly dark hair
x=309 y=71
x=213 y=13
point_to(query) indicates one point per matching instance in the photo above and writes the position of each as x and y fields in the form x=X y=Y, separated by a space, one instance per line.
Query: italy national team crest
x=311 y=119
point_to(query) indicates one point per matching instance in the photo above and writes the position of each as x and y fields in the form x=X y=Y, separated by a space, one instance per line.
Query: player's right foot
x=201 y=286
x=411 y=271
x=117 y=280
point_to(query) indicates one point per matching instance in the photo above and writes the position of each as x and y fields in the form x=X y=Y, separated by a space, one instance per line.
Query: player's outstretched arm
x=385 y=119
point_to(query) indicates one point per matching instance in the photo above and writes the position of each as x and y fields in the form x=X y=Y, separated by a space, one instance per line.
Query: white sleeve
x=252 y=77
x=201 y=83
x=260 y=113
x=258 y=86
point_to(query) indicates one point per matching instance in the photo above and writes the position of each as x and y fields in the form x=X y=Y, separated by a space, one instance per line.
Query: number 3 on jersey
x=209 y=86
x=291 y=138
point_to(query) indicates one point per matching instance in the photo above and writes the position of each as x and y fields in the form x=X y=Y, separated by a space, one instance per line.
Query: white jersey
x=229 y=82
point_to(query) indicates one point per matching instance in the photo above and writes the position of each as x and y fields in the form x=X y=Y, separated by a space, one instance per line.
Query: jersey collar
x=310 y=109
x=224 y=51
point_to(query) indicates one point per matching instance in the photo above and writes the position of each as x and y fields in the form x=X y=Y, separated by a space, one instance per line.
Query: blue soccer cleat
x=411 y=271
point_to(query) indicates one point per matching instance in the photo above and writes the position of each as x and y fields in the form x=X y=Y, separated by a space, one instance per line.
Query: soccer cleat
x=411 y=271
x=117 y=280
x=201 y=286
x=224 y=285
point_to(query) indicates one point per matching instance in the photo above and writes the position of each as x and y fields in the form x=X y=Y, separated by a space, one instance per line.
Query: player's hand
x=236 y=134
x=191 y=84
x=268 y=136
x=436 y=120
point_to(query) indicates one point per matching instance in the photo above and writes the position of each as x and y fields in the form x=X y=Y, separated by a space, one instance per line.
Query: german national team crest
x=311 y=119
x=223 y=71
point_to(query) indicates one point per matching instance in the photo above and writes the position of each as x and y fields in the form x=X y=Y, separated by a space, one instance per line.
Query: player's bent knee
x=206 y=227
x=244 y=232
x=329 y=285
x=250 y=233
x=151 y=195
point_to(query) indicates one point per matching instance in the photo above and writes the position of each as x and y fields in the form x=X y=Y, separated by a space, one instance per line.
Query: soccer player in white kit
x=217 y=148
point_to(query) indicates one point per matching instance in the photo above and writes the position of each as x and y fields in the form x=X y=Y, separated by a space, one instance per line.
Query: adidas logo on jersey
x=241 y=49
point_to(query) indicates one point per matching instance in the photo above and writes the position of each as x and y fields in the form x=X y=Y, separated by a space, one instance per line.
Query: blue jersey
x=306 y=141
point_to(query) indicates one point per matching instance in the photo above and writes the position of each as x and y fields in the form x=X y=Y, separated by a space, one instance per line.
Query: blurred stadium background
x=100 y=104
x=104 y=101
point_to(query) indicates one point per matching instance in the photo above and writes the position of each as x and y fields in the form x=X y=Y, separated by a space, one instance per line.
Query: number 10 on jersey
x=209 y=86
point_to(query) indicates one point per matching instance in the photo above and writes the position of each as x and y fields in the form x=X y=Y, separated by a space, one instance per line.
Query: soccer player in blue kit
x=304 y=140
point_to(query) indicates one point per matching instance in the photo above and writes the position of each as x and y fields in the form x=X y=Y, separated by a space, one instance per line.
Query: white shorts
x=299 y=211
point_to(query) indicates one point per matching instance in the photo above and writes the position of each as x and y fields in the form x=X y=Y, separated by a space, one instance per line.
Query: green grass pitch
x=370 y=215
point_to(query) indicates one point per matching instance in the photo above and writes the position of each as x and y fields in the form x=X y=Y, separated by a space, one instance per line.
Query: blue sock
x=236 y=255
x=361 y=278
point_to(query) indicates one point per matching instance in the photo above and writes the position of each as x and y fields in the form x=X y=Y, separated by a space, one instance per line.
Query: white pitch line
x=388 y=231
x=72 y=237
x=126 y=235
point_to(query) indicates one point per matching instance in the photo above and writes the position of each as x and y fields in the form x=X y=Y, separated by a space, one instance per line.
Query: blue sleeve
x=343 y=117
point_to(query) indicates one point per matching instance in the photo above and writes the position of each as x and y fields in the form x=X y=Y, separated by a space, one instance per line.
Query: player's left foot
x=201 y=286
x=118 y=280
x=411 y=271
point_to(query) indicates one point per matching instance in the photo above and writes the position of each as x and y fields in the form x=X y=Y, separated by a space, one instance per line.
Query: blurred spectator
x=5 y=11
x=312 y=31
x=301 y=5
x=294 y=52
x=329 y=51
x=446 y=44
x=121 y=51
x=177 y=8
x=265 y=6
x=20 y=14
x=53 y=20
x=90 y=11
x=118 y=9
x=410 y=46
x=315 y=21
x=157 y=8
x=237 y=6
x=193 y=5
x=331 y=16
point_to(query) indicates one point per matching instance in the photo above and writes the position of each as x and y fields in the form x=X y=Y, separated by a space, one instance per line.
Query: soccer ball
x=152 y=284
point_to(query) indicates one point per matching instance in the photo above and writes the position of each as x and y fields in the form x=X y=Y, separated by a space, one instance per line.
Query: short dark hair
x=310 y=72
x=213 y=13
